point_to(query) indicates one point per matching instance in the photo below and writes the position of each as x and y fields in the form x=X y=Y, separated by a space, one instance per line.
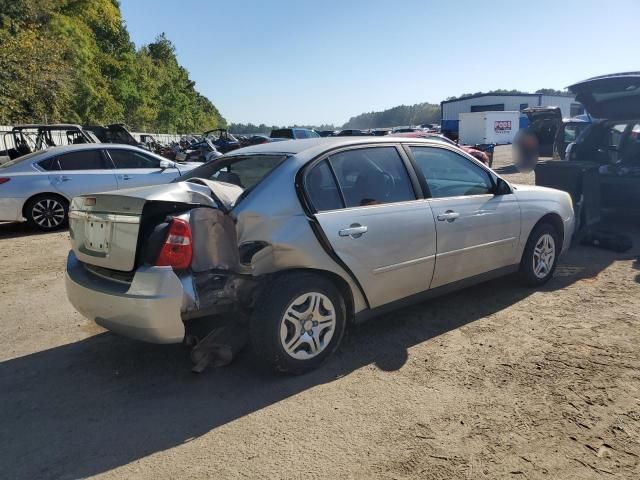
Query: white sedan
x=38 y=187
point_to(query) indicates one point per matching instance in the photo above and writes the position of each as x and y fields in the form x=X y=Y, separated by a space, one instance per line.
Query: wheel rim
x=307 y=326
x=544 y=254
x=48 y=213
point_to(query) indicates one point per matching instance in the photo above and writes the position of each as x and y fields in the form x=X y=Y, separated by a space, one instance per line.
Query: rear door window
x=322 y=188
x=372 y=176
x=82 y=160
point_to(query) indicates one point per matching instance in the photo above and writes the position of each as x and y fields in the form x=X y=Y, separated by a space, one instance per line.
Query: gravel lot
x=497 y=381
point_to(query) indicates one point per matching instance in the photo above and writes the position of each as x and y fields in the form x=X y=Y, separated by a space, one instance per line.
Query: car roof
x=51 y=151
x=311 y=147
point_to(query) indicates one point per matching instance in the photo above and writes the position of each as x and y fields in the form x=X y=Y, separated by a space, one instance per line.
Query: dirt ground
x=497 y=381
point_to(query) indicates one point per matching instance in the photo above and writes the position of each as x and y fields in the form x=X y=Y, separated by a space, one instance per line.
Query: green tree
x=73 y=60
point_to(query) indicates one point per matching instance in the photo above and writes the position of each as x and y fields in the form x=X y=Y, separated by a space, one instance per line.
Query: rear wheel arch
x=28 y=201
x=31 y=202
x=339 y=282
x=273 y=329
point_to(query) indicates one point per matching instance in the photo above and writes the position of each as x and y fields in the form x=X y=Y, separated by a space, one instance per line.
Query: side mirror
x=164 y=164
x=502 y=187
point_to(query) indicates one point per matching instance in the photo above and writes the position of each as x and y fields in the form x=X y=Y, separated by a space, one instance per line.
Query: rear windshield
x=20 y=159
x=244 y=171
x=282 y=133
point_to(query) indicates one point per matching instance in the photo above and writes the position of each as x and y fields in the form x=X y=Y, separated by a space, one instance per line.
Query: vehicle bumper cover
x=11 y=209
x=569 y=230
x=148 y=309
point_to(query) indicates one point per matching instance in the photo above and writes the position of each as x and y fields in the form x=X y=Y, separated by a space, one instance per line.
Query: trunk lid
x=106 y=229
x=610 y=97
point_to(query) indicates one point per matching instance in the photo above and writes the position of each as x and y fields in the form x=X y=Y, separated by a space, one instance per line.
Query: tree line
x=417 y=114
x=250 y=128
x=73 y=61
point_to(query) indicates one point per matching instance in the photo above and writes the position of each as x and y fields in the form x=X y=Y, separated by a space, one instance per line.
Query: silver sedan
x=291 y=241
x=38 y=187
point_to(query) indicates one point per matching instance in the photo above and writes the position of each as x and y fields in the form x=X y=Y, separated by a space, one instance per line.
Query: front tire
x=540 y=255
x=297 y=323
x=47 y=212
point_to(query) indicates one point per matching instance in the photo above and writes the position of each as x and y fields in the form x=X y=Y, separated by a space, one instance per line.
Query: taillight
x=4 y=180
x=177 y=250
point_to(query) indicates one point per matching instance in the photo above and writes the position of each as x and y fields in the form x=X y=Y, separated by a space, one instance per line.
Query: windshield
x=244 y=171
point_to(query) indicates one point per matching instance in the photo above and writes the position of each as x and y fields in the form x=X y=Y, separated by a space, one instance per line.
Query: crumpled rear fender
x=290 y=244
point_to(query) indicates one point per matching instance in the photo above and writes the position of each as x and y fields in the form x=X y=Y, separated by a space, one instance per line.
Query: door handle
x=63 y=178
x=449 y=216
x=125 y=177
x=354 y=231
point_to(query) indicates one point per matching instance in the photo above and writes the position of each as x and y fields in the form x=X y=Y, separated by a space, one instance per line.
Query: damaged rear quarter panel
x=215 y=242
x=272 y=214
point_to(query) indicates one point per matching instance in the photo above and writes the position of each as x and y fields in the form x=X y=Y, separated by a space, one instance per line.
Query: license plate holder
x=97 y=235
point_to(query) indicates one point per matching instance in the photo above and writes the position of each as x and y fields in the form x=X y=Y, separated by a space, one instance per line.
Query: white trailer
x=488 y=127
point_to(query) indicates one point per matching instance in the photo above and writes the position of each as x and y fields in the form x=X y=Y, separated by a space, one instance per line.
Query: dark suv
x=613 y=142
x=293 y=133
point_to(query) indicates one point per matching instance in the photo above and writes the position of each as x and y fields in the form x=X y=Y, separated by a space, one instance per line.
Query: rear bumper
x=11 y=209
x=147 y=309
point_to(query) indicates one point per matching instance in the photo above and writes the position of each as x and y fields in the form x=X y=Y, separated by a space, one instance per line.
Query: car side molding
x=365 y=315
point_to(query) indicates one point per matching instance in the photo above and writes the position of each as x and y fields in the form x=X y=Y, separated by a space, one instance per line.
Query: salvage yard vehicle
x=24 y=139
x=293 y=133
x=288 y=242
x=222 y=140
x=38 y=187
x=200 y=151
x=607 y=152
x=113 y=133
x=569 y=131
x=350 y=132
x=474 y=152
x=553 y=133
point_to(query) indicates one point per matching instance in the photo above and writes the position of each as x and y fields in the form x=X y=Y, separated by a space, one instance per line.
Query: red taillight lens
x=4 y=180
x=177 y=250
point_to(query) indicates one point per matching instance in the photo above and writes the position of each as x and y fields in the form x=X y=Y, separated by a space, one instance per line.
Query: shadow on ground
x=506 y=170
x=18 y=229
x=88 y=407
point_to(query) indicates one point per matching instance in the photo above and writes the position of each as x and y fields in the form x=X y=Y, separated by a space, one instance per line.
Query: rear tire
x=297 y=323
x=47 y=212
x=540 y=255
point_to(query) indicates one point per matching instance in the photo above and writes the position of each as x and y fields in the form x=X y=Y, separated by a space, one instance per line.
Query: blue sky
x=311 y=62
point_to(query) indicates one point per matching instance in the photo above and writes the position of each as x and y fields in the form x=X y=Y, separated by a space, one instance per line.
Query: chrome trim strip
x=408 y=263
x=104 y=217
x=476 y=247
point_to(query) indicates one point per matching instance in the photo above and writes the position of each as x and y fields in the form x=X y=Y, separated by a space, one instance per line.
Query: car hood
x=611 y=97
x=538 y=193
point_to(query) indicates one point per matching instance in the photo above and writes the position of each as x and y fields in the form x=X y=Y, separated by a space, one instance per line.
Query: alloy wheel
x=48 y=213
x=544 y=254
x=307 y=326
